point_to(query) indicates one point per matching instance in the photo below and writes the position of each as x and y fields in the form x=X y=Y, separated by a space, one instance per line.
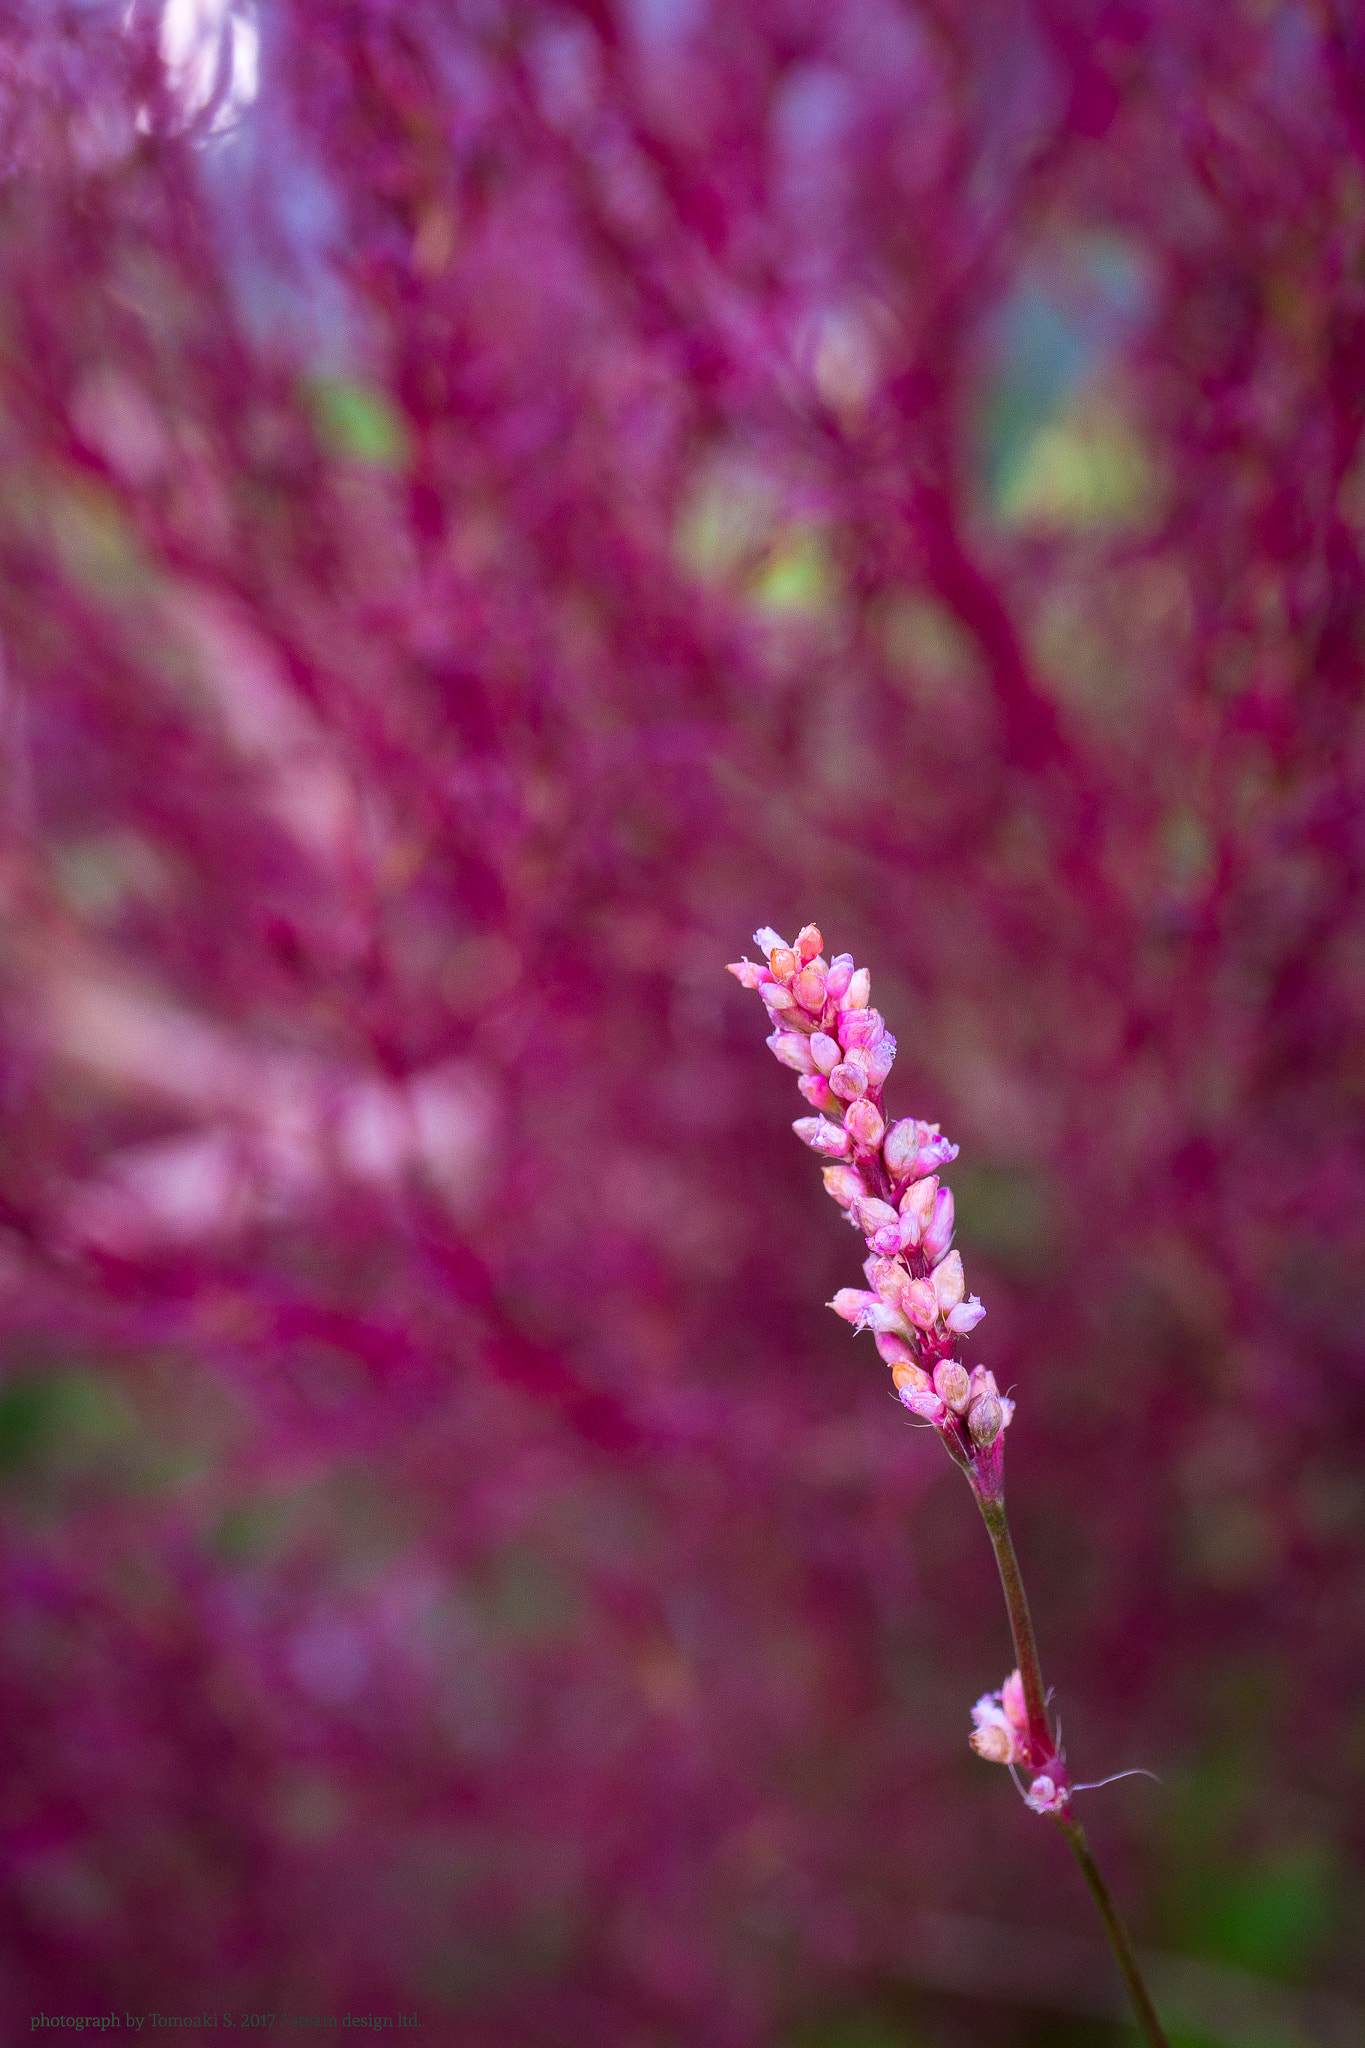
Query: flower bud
x=921 y=1304
x=934 y=1151
x=792 y=1049
x=816 y=1090
x=784 y=963
x=808 y=942
x=983 y=1381
x=984 y=1419
x=858 y=994
x=871 y=1214
x=767 y=941
x=886 y=1240
x=1045 y=1796
x=963 y=1319
x=917 y=1207
x=777 y=997
x=902 y=1143
x=848 y=1081
x=952 y=1386
x=826 y=1052
x=860 y=1027
x=839 y=976
x=809 y=989
x=895 y=1352
x=747 y=974
x=863 y=1123
x=854 y=1304
x=948 y=1281
x=939 y=1234
x=878 y=1059
x=844 y=1184
x=920 y=1401
x=823 y=1136
x=907 y=1377
x=993 y=1743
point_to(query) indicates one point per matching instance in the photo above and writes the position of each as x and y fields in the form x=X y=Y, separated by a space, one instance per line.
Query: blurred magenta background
x=498 y=501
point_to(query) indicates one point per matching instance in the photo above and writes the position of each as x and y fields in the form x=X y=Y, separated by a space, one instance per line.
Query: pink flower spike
x=844 y=1184
x=920 y=1401
x=963 y=1319
x=818 y=1093
x=948 y=1282
x=939 y=1234
x=825 y=1051
x=848 y=1081
x=860 y=1027
x=917 y=1208
x=865 y=1124
x=839 y=976
x=793 y=1050
x=823 y=1136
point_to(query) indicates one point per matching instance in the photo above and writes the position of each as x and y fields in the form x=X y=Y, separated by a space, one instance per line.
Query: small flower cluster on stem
x=887 y=1180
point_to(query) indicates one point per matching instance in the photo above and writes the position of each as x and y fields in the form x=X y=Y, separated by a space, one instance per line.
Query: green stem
x=1043 y=1751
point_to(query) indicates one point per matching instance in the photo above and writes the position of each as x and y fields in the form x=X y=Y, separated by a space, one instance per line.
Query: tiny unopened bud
x=939 y=1234
x=963 y=1319
x=887 y=1239
x=879 y=1058
x=984 y=1419
x=934 y=1151
x=792 y=1049
x=823 y=1136
x=848 y=1081
x=809 y=989
x=839 y=976
x=983 y=1381
x=872 y=1214
x=864 y=1123
x=994 y=1743
x=784 y=963
x=917 y=1208
x=844 y=1184
x=860 y=1027
x=902 y=1143
x=826 y=1052
x=777 y=997
x=921 y=1304
x=1044 y=1796
x=854 y=1304
x=922 y=1401
x=767 y=940
x=894 y=1351
x=948 y=1281
x=952 y=1385
x=907 y=1377
x=747 y=974
x=808 y=942
x=858 y=994
x=818 y=1093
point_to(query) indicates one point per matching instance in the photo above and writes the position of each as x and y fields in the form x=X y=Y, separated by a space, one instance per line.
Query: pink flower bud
x=917 y=1208
x=921 y=1402
x=963 y=1319
x=844 y=1184
x=747 y=974
x=792 y=1050
x=854 y=1304
x=1043 y=1796
x=848 y=1081
x=839 y=976
x=939 y=1234
x=984 y=1419
x=887 y=1319
x=809 y=989
x=902 y=1143
x=983 y=1381
x=860 y=1027
x=808 y=942
x=1013 y=1703
x=858 y=994
x=934 y=1152
x=994 y=1744
x=871 y=1214
x=823 y=1136
x=906 y=1376
x=777 y=997
x=864 y=1124
x=817 y=1092
x=825 y=1051
x=998 y=1735
x=921 y=1304
x=952 y=1385
x=895 y=1352
x=948 y=1281
x=887 y=1239
x=879 y=1058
